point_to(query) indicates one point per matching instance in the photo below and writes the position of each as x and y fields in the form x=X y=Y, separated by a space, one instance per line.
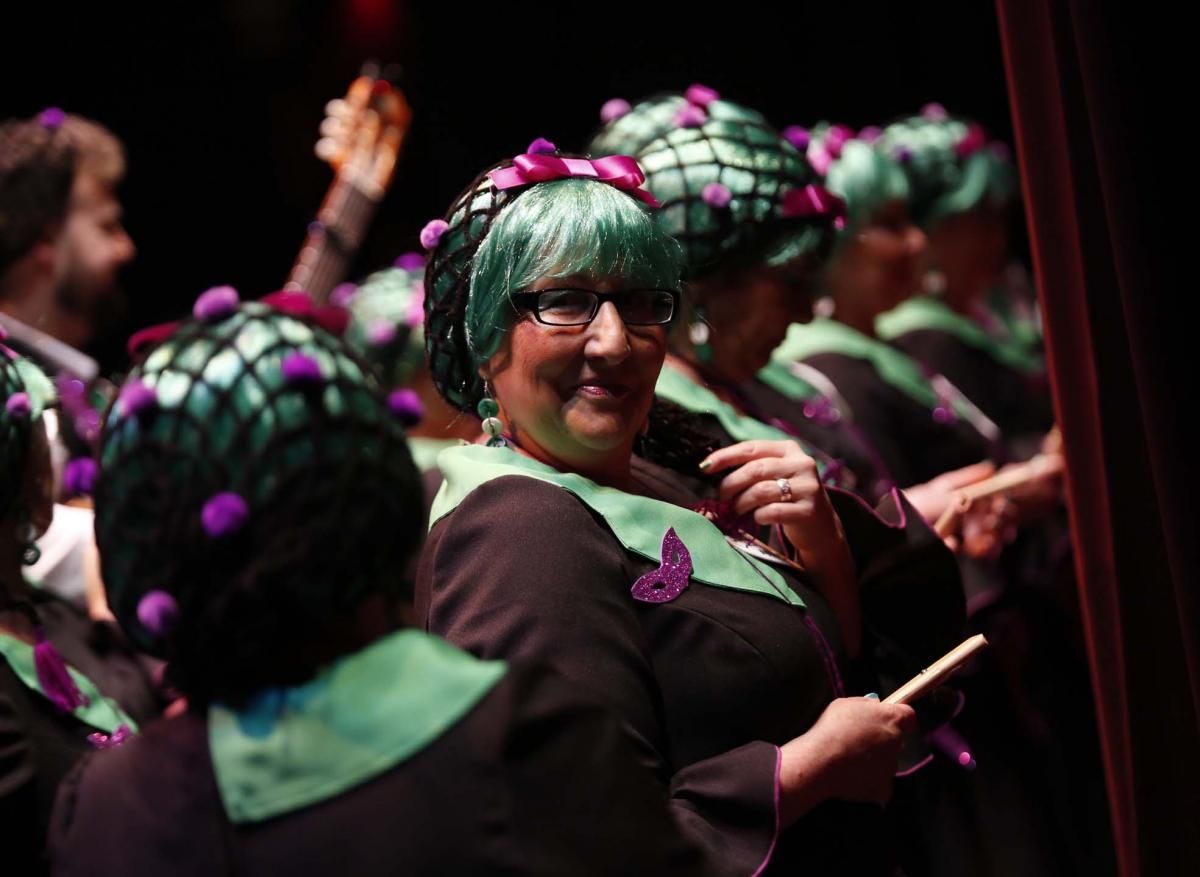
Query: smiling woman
x=549 y=296
x=566 y=391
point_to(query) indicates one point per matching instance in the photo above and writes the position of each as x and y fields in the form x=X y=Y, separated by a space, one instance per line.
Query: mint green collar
x=674 y=386
x=361 y=716
x=897 y=369
x=425 y=450
x=929 y=312
x=639 y=523
x=780 y=378
x=100 y=712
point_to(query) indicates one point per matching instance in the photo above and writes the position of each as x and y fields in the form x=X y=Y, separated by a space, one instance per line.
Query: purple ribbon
x=813 y=201
x=619 y=171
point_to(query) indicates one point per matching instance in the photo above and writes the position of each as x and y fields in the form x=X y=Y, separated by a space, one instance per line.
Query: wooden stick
x=1014 y=476
x=937 y=672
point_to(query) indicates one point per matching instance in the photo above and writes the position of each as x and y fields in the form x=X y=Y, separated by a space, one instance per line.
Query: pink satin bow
x=331 y=318
x=619 y=171
x=812 y=201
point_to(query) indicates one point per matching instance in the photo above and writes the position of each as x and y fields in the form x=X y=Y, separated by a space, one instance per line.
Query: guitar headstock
x=362 y=133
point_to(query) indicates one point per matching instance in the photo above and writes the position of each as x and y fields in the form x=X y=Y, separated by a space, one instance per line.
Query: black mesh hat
x=454 y=242
x=732 y=188
x=246 y=466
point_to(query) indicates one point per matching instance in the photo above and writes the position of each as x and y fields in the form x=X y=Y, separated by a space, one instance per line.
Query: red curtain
x=1100 y=167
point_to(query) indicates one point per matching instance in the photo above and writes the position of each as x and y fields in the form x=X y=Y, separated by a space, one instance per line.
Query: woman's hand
x=987 y=527
x=933 y=497
x=778 y=483
x=850 y=754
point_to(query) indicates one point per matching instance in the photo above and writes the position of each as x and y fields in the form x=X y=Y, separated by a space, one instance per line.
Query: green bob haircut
x=865 y=177
x=498 y=242
x=950 y=164
x=386 y=318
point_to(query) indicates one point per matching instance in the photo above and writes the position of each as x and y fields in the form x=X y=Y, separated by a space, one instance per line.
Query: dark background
x=219 y=103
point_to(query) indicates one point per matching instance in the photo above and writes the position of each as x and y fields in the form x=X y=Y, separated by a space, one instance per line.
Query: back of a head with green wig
x=498 y=242
x=25 y=394
x=855 y=170
x=386 y=318
x=246 y=468
x=950 y=164
x=722 y=174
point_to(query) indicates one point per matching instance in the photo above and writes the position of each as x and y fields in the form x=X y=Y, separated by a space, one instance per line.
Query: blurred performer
x=65 y=681
x=387 y=328
x=62 y=246
x=962 y=191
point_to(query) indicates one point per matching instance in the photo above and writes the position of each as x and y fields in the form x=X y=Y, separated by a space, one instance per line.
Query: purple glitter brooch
x=671 y=578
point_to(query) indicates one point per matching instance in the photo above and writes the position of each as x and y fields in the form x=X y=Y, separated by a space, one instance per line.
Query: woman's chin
x=601 y=432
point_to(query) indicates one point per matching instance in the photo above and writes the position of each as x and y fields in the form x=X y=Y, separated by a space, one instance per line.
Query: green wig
x=387 y=314
x=865 y=177
x=25 y=394
x=950 y=164
x=245 y=468
x=494 y=242
x=725 y=179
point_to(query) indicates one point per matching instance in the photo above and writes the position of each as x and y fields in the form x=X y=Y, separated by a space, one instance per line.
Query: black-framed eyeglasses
x=578 y=307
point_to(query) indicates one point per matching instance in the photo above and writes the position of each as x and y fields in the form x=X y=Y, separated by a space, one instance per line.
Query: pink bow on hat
x=619 y=171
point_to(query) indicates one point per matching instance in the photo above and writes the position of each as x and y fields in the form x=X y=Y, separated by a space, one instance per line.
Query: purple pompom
x=934 y=112
x=79 y=476
x=541 y=146
x=52 y=118
x=410 y=261
x=157 y=611
x=3 y=333
x=798 y=136
x=300 y=368
x=137 y=397
x=224 y=513
x=342 y=294
x=870 y=134
x=432 y=233
x=690 y=116
x=614 y=109
x=18 y=405
x=700 y=95
x=381 y=333
x=216 y=303
x=407 y=406
x=716 y=195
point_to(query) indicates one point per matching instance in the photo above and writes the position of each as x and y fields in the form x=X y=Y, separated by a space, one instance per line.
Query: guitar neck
x=334 y=238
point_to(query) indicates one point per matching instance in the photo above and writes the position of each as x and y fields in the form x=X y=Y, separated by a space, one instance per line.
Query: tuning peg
x=327 y=149
x=337 y=108
x=333 y=127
